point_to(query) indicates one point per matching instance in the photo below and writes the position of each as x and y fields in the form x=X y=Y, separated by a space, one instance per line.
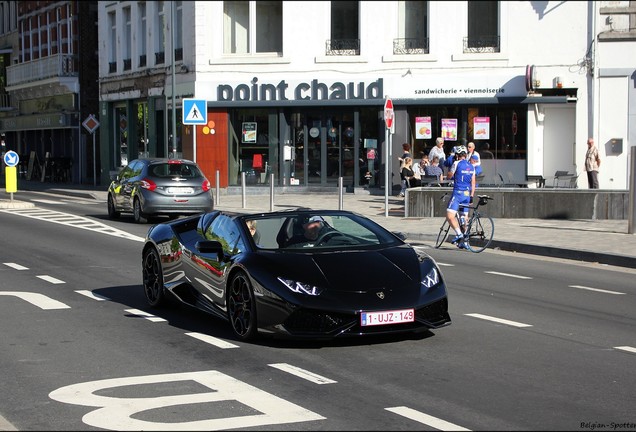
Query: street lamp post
x=174 y=106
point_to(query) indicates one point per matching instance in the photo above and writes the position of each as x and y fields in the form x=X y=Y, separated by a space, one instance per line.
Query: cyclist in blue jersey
x=463 y=175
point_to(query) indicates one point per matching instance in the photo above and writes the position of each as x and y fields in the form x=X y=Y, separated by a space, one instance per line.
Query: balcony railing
x=160 y=57
x=60 y=65
x=112 y=67
x=343 y=47
x=410 y=46
x=142 y=60
x=127 y=64
x=481 y=44
x=178 y=54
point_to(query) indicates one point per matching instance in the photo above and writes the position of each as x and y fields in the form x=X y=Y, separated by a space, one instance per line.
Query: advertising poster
x=249 y=132
x=423 y=128
x=481 y=128
x=449 y=129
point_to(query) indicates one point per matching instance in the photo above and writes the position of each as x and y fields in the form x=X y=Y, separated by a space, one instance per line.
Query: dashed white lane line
x=301 y=373
x=16 y=266
x=146 y=315
x=596 y=289
x=51 y=279
x=499 y=320
x=626 y=348
x=426 y=419
x=508 y=275
x=92 y=295
x=220 y=343
x=36 y=299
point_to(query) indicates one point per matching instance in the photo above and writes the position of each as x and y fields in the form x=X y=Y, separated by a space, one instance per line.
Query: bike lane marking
x=426 y=419
x=243 y=405
x=36 y=299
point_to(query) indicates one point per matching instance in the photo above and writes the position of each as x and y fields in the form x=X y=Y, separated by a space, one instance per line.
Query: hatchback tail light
x=148 y=184
x=206 y=185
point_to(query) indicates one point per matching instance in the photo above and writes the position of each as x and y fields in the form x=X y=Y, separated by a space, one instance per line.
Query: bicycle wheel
x=481 y=230
x=443 y=234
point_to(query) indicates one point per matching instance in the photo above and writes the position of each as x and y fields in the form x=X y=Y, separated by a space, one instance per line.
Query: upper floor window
x=483 y=27
x=252 y=27
x=127 y=38
x=345 y=37
x=112 y=52
x=141 y=38
x=160 y=36
x=412 y=28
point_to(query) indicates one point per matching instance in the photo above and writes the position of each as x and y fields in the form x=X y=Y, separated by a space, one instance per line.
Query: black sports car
x=300 y=273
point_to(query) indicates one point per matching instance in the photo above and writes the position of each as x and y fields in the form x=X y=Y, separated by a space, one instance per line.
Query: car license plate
x=387 y=317
x=180 y=190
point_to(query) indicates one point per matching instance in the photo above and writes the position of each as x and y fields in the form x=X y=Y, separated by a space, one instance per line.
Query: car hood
x=352 y=271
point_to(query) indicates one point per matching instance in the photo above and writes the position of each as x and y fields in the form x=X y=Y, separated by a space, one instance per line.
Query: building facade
x=48 y=53
x=297 y=89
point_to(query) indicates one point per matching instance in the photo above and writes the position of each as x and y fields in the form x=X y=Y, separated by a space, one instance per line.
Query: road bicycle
x=480 y=228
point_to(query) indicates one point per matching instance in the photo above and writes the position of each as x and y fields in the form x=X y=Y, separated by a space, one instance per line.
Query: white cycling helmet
x=461 y=150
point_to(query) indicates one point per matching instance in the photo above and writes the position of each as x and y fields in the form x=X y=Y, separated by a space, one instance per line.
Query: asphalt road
x=535 y=344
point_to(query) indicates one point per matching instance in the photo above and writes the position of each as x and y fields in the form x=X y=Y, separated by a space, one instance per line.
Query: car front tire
x=241 y=307
x=153 y=278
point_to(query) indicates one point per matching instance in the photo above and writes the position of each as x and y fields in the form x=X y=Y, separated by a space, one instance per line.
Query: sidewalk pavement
x=601 y=241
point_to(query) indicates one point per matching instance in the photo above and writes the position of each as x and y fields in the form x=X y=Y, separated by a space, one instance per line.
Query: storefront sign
x=423 y=128
x=481 y=128
x=316 y=90
x=28 y=122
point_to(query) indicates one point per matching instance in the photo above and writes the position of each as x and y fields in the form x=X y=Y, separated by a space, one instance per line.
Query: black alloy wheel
x=153 y=278
x=443 y=234
x=241 y=307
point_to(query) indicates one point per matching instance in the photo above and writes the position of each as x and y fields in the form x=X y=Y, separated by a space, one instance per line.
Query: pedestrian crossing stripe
x=195 y=111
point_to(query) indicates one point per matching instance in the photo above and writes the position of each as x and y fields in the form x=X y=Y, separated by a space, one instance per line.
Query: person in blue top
x=463 y=175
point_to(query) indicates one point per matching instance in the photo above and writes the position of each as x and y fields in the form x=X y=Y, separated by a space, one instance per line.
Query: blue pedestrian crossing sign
x=11 y=158
x=195 y=111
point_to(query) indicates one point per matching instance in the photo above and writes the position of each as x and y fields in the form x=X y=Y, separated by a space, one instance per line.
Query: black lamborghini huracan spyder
x=301 y=273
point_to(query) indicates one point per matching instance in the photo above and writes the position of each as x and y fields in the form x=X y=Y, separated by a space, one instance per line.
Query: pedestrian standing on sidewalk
x=592 y=164
x=438 y=151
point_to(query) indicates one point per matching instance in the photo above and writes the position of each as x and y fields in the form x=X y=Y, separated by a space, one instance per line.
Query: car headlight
x=300 y=287
x=431 y=279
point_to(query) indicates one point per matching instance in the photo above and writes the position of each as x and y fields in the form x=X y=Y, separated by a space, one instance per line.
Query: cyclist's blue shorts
x=458 y=197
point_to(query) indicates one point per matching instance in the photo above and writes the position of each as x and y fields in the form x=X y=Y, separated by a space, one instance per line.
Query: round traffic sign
x=11 y=158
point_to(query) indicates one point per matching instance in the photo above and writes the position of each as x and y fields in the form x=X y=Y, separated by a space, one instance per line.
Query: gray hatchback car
x=157 y=186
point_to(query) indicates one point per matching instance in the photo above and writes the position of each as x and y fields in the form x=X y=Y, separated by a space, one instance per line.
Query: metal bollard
x=243 y=189
x=631 y=211
x=271 y=192
x=340 y=193
x=218 y=189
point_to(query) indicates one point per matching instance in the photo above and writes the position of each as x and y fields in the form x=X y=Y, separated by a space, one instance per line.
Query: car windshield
x=172 y=169
x=318 y=230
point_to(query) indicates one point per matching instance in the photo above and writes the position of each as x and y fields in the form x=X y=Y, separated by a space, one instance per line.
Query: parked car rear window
x=173 y=169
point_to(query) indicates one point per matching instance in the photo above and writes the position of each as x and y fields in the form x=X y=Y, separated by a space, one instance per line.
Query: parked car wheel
x=112 y=213
x=153 y=278
x=241 y=307
x=138 y=213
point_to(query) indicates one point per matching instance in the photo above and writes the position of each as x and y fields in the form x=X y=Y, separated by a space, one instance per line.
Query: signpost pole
x=386 y=172
x=94 y=157
x=390 y=128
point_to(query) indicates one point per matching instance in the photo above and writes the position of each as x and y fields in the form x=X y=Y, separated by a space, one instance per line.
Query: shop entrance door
x=329 y=150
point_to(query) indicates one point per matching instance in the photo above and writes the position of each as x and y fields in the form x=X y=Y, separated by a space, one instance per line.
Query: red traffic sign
x=388 y=113
x=90 y=123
